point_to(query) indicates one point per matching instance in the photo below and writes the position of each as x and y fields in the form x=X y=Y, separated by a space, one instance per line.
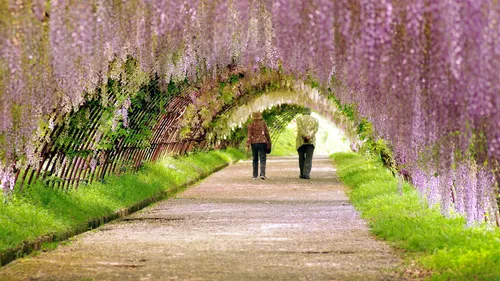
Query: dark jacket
x=258 y=132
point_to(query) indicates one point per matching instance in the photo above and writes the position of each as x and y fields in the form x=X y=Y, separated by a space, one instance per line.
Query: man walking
x=307 y=126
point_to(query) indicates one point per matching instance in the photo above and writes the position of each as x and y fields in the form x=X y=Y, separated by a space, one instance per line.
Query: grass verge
x=445 y=247
x=40 y=211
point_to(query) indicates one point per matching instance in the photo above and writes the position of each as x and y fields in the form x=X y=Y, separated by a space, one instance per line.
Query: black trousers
x=259 y=151
x=306 y=152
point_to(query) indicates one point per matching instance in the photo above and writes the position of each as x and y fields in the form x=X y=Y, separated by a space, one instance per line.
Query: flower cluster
x=425 y=73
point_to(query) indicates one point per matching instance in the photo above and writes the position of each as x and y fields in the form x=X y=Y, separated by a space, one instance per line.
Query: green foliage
x=446 y=246
x=4 y=12
x=349 y=111
x=214 y=106
x=333 y=98
x=285 y=144
x=98 y=126
x=2 y=146
x=479 y=146
x=207 y=113
x=238 y=135
x=173 y=88
x=100 y=113
x=39 y=210
x=3 y=69
x=378 y=148
x=312 y=82
x=234 y=78
x=226 y=92
x=365 y=129
x=189 y=115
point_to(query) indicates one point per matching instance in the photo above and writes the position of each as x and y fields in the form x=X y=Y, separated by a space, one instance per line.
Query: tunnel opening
x=109 y=136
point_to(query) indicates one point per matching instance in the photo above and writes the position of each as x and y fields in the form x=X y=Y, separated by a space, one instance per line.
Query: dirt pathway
x=228 y=227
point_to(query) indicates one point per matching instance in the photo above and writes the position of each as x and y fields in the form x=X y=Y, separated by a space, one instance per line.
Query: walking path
x=229 y=227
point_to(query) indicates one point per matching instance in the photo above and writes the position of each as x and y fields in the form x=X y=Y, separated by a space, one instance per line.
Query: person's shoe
x=263 y=177
x=306 y=177
x=254 y=178
x=301 y=176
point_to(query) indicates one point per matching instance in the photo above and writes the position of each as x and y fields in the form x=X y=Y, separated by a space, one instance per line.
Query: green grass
x=285 y=144
x=40 y=210
x=446 y=247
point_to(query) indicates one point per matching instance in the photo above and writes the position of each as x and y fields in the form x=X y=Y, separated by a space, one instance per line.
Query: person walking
x=259 y=139
x=307 y=126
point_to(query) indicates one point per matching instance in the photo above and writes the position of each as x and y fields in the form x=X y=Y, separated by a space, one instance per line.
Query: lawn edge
x=31 y=246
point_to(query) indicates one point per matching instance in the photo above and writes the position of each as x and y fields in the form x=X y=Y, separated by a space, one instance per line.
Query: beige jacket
x=306 y=126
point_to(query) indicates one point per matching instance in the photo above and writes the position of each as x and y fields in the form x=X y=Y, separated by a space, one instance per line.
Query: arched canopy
x=93 y=142
x=423 y=73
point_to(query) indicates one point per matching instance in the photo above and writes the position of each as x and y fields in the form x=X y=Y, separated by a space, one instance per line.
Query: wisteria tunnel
x=92 y=88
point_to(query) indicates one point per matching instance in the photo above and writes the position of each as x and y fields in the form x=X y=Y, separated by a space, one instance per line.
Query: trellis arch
x=161 y=122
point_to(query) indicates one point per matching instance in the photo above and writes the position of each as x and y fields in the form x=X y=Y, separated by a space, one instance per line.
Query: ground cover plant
x=446 y=247
x=40 y=210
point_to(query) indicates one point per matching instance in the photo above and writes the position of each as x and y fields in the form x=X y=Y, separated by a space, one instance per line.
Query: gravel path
x=229 y=227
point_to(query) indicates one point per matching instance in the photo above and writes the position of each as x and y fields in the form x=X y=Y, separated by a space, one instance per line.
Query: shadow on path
x=229 y=227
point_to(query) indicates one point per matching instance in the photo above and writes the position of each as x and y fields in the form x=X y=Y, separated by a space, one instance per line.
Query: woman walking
x=259 y=139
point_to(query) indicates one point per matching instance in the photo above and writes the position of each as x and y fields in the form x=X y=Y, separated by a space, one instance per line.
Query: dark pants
x=305 y=159
x=259 y=151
